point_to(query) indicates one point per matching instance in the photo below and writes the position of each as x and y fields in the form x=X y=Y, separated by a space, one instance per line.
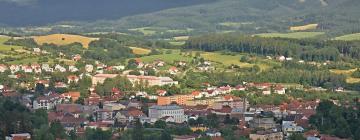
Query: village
x=119 y=110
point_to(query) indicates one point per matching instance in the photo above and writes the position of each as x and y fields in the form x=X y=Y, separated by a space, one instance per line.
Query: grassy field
x=349 y=37
x=304 y=27
x=4 y=47
x=181 y=38
x=294 y=35
x=181 y=30
x=140 y=51
x=168 y=58
x=64 y=39
x=235 y=24
x=228 y=60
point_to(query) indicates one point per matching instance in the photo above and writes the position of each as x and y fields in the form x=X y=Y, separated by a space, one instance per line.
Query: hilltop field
x=63 y=39
x=349 y=37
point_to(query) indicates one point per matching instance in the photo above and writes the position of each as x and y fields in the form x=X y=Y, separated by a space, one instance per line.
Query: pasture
x=294 y=35
x=349 y=37
x=64 y=39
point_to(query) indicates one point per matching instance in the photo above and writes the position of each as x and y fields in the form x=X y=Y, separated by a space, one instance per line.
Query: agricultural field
x=235 y=24
x=64 y=39
x=140 y=51
x=187 y=30
x=168 y=58
x=294 y=35
x=4 y=47
x=304 y=27
x=348 y=73
x=349 y=37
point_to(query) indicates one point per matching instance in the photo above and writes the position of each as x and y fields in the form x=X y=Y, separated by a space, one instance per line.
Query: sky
x=43 y=12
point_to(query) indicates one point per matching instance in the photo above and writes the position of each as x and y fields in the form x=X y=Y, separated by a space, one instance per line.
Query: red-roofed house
x=70 y=96
x=73 y=79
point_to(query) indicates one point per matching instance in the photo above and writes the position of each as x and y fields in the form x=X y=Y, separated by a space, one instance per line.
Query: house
x=14 y=68
x=3 y=68
x=89 y=68
x=266 y=91
x=281 y=58
x=60 y=68
x=181 y=63
x=263 y=121
x=157 y=112
x=104 y=115
x=47 y=102
x=93 y=99
x=278 y=89
x=73 y=79
x=266 y=135
x=213 y=133
x=173 y=70
x=70 y=96
x=139 y=63
x=27 y=69
x=73 y=69
x=184 y=137
x=22 y=136
x=197 y=94
x=161 y=92
x=129 y=115
x=37 y=50
x=76 y=57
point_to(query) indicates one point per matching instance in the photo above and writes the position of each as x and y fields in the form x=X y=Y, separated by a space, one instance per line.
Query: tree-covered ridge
x=341 y=121
x=311 y=50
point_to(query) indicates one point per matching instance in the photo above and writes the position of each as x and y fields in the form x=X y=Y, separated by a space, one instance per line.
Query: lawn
x=140 y=51
x=181 y=38
x=148 y=31
x=177 y=43
x=180 y=30
x=64 y=39
x=294 y=35
x=4 y=47
x=349 y=37
x=25 y=61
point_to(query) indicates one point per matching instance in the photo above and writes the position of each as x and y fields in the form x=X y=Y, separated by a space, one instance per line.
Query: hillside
x=335 y=17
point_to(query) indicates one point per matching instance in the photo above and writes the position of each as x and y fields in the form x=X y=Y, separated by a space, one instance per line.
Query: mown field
x=349 y=37
x=64 y=39
x=140 y=51
x=294 y=35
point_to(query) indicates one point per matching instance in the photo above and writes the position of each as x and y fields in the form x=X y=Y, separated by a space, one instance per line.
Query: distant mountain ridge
x=248 y=16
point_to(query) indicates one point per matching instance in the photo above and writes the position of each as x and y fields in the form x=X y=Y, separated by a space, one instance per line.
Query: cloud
x=20 y=2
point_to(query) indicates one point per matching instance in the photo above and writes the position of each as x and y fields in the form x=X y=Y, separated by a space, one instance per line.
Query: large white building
x=47 y=102
x=174 y=111
x=152 y=80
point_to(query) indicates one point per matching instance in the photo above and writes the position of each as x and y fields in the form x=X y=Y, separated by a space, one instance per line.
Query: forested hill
x=44 y=12
x=247 y=16
x=251 y=16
